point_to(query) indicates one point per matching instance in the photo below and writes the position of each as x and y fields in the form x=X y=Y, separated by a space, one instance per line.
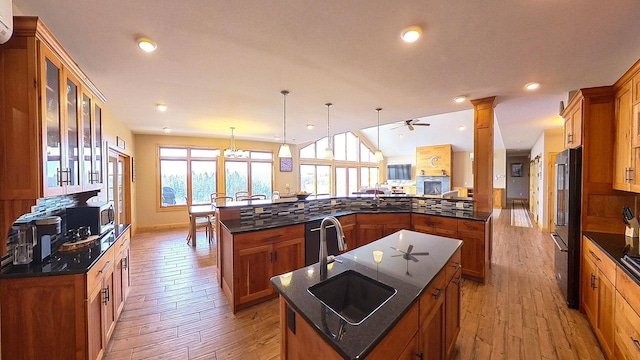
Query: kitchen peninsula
x=260 y=239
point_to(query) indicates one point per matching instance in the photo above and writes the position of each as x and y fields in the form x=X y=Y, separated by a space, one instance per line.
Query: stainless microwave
x=99 y=216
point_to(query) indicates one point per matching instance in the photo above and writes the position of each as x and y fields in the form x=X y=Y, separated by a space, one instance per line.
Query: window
x=187 y=175
x=253 y=174
x=354 y=165
x=315 y=179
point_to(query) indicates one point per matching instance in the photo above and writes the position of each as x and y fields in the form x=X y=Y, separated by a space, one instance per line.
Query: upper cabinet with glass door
x=51 y=124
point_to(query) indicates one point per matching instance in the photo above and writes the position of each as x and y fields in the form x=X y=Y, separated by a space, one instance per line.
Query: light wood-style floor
x=176 y=309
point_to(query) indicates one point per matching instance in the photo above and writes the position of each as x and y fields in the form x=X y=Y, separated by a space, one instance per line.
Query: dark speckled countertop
x=614 y=246
x=409 y=278
x=78 y=262
x=238 y=226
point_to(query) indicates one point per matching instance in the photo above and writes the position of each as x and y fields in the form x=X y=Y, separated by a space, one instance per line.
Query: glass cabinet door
x=88 y=173
x=98 y=144
x=73 y=134
x=53 y=138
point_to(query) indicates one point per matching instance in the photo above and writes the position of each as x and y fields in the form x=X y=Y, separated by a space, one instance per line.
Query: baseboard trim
x=162 y=227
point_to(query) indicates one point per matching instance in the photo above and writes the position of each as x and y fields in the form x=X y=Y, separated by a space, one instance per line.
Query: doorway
x=119 y=185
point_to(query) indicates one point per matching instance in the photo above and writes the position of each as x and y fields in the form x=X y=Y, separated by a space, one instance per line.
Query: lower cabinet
x=350 y=231
x=627 y=320
x=372 y=227
x=255 y=258
x=65 y=316
x=122 y=272
x=598 y=294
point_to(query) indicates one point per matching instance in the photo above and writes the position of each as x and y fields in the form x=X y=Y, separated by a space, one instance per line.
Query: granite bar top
x=615 y=246
x=78 y=262
x=409 y=278
x=238 y=226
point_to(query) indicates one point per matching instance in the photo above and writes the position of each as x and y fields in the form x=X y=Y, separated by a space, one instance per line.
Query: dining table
x=196 y=211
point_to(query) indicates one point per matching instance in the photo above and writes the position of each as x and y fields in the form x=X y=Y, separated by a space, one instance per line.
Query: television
x=399 y=172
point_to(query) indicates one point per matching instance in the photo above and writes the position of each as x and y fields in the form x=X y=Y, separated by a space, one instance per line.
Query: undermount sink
x=352 y=296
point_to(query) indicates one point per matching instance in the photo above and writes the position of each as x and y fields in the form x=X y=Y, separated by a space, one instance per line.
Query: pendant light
x=378 y=153
x=284 y=151
x=233 y=152
x=328 y=152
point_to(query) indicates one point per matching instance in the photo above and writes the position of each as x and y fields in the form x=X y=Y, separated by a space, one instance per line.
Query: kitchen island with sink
x=416 y=278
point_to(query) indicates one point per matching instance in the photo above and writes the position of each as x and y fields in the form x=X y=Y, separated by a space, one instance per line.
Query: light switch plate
x=460 y=205
x=333 y=202
x=301 y=206
x=421 y=202
x=259 y=210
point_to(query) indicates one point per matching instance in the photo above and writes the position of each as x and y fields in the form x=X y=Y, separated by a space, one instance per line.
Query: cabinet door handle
x=104 y=268
x=105 y=295
x=593 y=281
x=456 y=281
x=569 y=138
x=420 y=355
x=437 y=295
x=273 y=237
x=630 y=175
x=456 y=265
x=275 y=256
x=125 y=263
x=636 y=343
x=594 y=255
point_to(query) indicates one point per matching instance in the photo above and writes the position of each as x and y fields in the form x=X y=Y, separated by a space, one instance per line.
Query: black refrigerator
x=568 y=192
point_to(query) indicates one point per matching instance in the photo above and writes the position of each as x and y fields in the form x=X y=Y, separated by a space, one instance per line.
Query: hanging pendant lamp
x=328 y=152
x=285 y=151
x=233 y=152
x=378 y=153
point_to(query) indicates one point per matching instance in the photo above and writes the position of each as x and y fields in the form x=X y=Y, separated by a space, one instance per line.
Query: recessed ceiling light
x=461 y=127
x=146 y=45
x=309 y=126
x=166 y=129
x=276 y=138
x=411 y=34
x=401 y=136
x=532 y=86
x=459 y=99
x=161 y=107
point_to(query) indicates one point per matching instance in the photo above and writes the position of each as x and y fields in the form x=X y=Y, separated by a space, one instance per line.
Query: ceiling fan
x=411 y=123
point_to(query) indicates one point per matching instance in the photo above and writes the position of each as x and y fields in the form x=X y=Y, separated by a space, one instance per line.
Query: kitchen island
x=420 y=318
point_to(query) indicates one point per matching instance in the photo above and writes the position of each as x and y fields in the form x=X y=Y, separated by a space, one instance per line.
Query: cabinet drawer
x=453 y=265
x=600 y=259
x=627 y=333
x=384 y=219
x=265 y=237
x=435 y=222
x=347 y=220
x=470 y=225
x=628 y=288
x=97 y=271
x=432 y=295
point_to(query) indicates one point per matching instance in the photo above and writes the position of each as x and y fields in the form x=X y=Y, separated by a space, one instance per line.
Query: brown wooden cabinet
x=349 y=228
x=627 y=320
x=65 y=316
x=598 y=293
x=452 y=313
x=476 y=235
x=46 y=133
x=122 y=271
x=251 y=259
x=572 y=125
x=372 y=227
x=624 y=170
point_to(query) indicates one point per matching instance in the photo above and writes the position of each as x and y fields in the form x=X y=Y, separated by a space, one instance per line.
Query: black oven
x=99 y=216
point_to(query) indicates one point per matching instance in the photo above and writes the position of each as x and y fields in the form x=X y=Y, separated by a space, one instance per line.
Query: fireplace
x=433 y=185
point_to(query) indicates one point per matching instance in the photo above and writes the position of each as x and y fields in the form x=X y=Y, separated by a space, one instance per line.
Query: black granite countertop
x=614 y=245
x=239 y=226
x=78 y=262
x=409 y=278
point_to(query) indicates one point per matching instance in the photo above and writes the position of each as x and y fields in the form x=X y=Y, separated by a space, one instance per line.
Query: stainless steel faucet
x=342 y=245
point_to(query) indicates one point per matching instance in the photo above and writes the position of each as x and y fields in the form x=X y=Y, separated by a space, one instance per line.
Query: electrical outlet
x=421 y=202
x=301 y=206
x=259 y=210
x=334 y=202
x=460 y=205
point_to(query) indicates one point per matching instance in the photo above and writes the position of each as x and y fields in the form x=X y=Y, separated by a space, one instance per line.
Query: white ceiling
x=224 y=63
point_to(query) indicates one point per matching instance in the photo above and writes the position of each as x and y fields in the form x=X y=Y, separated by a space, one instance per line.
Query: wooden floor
x=176 y=309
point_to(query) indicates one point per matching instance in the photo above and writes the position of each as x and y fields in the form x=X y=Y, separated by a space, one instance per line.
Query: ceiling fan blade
x=413 y=258
x=410 y=127
x=421 y=253
x=409 y=249
x=397 y=127
x=421 y=124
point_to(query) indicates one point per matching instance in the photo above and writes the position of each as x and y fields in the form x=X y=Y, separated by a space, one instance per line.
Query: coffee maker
x=47 y=229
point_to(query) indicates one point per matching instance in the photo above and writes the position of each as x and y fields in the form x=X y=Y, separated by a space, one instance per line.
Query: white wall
x=499 y=168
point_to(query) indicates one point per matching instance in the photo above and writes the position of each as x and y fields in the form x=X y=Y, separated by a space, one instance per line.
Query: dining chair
x=214 y=196
x=258 y=197
x=212 y=218
x=241 y=193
